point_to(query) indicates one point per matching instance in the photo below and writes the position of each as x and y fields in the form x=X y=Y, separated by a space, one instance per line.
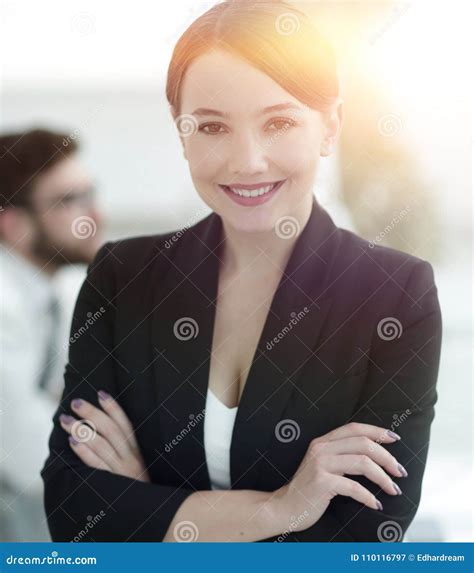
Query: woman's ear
x=333 y=120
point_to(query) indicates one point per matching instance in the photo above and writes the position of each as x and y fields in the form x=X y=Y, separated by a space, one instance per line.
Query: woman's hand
x=351 y=449
x=104 y=439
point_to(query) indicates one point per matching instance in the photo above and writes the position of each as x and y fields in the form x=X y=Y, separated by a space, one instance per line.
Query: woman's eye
x=281 y=124
x=211 y=128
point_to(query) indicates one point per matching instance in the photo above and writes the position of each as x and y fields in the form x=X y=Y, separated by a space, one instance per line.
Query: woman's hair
x=274 y=37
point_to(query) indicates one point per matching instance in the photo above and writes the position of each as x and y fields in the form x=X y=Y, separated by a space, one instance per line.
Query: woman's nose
x=247 y=156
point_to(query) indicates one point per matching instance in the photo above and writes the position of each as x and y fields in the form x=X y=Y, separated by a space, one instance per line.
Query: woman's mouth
x=253 y=194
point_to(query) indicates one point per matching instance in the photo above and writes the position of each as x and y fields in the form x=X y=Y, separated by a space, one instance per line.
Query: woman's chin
x=248 y=221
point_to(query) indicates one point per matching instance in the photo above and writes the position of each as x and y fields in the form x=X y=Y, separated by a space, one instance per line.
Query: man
x=48 y=219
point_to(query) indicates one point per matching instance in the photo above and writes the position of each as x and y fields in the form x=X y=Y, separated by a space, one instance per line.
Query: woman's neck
x=262 y=253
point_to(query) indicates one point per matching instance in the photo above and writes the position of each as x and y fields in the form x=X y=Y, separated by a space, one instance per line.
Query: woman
x=241 y=379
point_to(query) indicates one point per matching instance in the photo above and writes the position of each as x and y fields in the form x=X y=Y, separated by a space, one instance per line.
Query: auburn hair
x=274 y=37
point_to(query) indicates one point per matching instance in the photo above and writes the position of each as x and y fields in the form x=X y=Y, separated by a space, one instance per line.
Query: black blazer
x=353 y=334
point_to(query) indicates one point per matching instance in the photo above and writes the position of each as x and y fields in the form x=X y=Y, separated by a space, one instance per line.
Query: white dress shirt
x=26 y=330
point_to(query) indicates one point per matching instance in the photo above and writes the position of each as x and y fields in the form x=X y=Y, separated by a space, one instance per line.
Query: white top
x=218 y=426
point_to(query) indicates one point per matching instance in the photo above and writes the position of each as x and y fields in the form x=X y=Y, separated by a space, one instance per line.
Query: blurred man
x=48 y=219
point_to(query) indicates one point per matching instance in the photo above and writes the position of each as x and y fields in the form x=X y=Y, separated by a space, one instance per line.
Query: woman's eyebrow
x=278 y=107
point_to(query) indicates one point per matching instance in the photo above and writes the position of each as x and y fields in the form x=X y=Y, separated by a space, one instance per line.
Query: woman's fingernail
x=402 y=470
x=393 y=435
x=396 y=488
x=73 y=442
x=103 y=395
x=379 y=505
x=77 y=403
x=65 y=419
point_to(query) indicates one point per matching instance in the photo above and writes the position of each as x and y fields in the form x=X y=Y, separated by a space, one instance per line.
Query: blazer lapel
x=182 y=330
x=298 y=311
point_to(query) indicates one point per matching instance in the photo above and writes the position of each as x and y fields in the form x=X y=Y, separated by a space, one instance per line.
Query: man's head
x=47 y=207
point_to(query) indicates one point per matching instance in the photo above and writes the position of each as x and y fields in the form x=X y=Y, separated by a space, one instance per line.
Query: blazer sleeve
x=400 y=394
x=76 y=496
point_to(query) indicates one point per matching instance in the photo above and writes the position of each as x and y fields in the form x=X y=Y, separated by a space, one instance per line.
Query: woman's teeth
x=253 y=192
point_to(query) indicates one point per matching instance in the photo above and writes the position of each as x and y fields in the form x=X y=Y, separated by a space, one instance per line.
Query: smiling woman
x=175 y=391
x=262 y=147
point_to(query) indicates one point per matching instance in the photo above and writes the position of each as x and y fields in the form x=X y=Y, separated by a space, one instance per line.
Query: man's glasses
x=72 y=198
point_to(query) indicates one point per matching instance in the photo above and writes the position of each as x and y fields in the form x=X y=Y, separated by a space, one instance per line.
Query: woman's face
x=251 y=165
